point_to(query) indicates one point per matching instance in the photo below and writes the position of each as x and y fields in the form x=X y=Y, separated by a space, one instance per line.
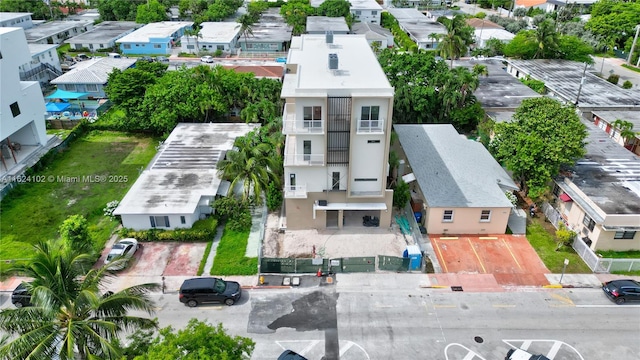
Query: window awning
x=566 y=198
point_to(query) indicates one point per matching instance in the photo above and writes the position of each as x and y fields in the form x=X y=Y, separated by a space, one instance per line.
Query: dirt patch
x=185 y=259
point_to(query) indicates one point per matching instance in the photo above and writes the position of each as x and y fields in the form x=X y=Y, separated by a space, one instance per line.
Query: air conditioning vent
x=333 y=61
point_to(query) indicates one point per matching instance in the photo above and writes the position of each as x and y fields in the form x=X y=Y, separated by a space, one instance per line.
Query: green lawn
x=230 y=259
x=632 y=68
x=34 y=211
x=544 y=244
x=633 y=254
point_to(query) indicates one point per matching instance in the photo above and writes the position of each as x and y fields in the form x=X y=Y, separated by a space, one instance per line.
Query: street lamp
x=633 y=46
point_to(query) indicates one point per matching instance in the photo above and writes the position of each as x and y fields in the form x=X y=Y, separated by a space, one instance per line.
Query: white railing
x=291 y=125
x=303 y=159
x=371 y=126
x=295 y=191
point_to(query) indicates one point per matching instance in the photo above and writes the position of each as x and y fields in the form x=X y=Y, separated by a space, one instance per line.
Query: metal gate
x=393 y=263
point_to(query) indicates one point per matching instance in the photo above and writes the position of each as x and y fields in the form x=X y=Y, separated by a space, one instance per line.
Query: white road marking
x=554 y=349
x=552 y=352
x=469 y=356
x=608 y=306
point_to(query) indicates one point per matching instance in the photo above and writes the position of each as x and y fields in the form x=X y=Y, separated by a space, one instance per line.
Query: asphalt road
x=418 y=323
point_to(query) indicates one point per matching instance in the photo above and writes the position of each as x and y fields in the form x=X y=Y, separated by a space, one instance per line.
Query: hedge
x=202 y=231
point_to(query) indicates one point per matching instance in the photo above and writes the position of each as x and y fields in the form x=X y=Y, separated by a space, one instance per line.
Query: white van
x=115 y=56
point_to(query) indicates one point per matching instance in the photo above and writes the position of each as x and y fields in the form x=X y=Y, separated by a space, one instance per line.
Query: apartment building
x=337 y=123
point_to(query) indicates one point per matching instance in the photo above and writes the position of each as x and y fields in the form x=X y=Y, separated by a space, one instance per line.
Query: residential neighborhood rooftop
x=482 y=24
x=326 y=23
x=609 y=175
x=4 y=16
x=459 y=172
x=499 y=34
x=372 y=31
x=408 y=14
x=612 y=115
x=36 y=49
x=222 y=32
x=417 y=24
x=499 y=90
x=105 y=32
x=563 y=78
x=93 y=71
x=50 y=28
x=270 y=28
x=158 y=30
x=355 y=4
x=358 y=69
x=184 y=170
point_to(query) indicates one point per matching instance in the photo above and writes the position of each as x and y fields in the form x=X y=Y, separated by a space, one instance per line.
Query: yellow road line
x=444 y=262
x=512 y=255
x=444 y=306
x=488 y=238
x=564 y=299
x=449 y=238
x=475 y=252
x=503 y=306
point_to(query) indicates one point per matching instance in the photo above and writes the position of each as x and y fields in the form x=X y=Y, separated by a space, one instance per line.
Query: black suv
x=209 y=290
x=622 y=291
x=20 y=296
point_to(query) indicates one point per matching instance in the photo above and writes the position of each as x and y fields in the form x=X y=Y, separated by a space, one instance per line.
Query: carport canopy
x=349 y=206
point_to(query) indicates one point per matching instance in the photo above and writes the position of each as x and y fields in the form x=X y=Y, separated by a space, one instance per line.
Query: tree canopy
x=615 y=21
x=155 y=101
x=119 y=10
x=456 y=41
x=39 y=9
x=427 y=91
x=198 y=341
x=543 y=137
x=152 y=11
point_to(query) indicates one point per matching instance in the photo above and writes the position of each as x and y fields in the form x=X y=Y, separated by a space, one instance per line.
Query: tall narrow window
x=588 y=222
x=306 y=148
x=183 y=220
x=292 y=181
x=335 y=180
x=15 y=109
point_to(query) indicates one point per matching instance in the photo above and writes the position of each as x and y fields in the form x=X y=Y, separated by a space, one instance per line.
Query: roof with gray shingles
x=453 y=171
x=94 y=71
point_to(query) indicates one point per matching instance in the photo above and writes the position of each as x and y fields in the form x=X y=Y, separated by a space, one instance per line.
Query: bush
x=202 y=230
x=627 y=84
x=401 y=195
x=536 y=85
x=274 y=197
x=613 y=78
x=235 y=212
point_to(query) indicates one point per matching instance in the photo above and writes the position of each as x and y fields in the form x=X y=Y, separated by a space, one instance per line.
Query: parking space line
x=554 y=349
x=438 y=306
x=512 y=255
x=444 y=261
x=478 y=257
x=503 y=305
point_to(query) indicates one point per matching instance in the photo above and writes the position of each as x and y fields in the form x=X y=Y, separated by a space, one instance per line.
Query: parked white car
x=207 y=59
x=125 y=249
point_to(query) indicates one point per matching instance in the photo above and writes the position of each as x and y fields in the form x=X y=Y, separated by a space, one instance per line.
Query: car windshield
x=118 y=246
x=220 y=286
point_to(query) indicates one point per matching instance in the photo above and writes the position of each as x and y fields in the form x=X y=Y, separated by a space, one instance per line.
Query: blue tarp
x=63 y=94
x=57 y=107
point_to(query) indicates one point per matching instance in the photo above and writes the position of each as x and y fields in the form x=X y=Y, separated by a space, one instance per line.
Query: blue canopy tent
x=66 y=95
x=57 y=107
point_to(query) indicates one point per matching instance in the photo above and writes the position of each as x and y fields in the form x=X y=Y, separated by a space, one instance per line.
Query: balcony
x=303 y=159
x=295 y=191
x=371 y=126
x=291 y=125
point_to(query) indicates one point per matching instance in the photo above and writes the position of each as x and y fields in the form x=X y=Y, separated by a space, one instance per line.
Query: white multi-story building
x=15 y=19
x=337 y=122
x=44 y=65
x=22 y=127
x=368 y=11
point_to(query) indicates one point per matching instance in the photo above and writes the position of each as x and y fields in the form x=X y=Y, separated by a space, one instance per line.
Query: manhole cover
x=478 y=339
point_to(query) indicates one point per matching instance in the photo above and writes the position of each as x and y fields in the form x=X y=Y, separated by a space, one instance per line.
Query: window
x=0 y=54
x=556 y=190
x=183 y=220
x=365 y=179
x=312 y=116
x=306 y=150
x=447 y=216
x=70 y=87
x=126 y=46
x=101 y=46
x=191 y=46
x=335 y=180
x=90 y=46
x=588 y=222
x=157 y=46
x=15 y=109
x=627 y=235
x=358 y=12
x=485 y=216
x=369 y=117
x=220 y=47
x=373 y=141
x=92 y=87
x=374 y=13
x=159 y=221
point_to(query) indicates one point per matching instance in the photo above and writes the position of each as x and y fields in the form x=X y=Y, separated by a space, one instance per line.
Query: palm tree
x=246 y=22
x=196 y=34
x=547 y=39
x=70 y=319
x=252 y=164
x=454 y=43
x=625 y=128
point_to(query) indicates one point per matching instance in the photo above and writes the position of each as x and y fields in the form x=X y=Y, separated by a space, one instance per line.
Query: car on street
x=20 y=296
x=124 y=248
x=207 y=59
x=82 y=57
x=621 y=291
x=209 y=290
x=291 y=355
x=162 y=59
x=519 y=354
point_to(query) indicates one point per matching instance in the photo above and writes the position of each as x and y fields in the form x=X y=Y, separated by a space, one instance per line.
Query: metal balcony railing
x=370 y=126
x=292 y=125
x=303 y=159
x=295 y=191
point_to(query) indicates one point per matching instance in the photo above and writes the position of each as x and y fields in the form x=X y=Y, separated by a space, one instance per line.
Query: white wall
x=24 y=22
x=369 y=16
x=27 y=94
x=142 y=222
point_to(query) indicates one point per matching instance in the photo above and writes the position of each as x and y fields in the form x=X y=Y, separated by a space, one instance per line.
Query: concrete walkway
x=258 y=219
x=518 y=222
x=212 y=254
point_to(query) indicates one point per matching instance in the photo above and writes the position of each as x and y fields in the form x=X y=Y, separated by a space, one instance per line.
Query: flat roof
x=500 y=34
x=36 y=49
x=93 y=71
x=612 y=115
x=52 y=28
x=12 y=15
x=105 y=32
x=184 y=170
x=326 y=23
x=219 y=32
x=563 y=78
x=609 y=175
x=163 y=29
x=482 y=24
x=499 y=90
x=270 y=28
x=457 y=172
x=358 y=68
x=417 y=24
x=501 y=116
x=355 y=4
x=372 y=31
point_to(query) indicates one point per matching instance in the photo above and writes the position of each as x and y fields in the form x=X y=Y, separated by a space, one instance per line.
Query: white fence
x=595 y=262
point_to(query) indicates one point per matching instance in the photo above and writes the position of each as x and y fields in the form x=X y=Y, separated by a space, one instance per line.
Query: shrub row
x=400 y=37
x=202 y=230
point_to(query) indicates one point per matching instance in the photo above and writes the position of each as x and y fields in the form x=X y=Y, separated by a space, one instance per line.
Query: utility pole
x=581 y=83
x=633 y=46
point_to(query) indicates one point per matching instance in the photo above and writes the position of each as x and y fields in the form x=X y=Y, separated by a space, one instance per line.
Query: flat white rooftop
x=219 y=32
x=51 y=28
x=325 y=23
x=358 y=73
x=158 y=30
x=12 y=15
x=37 y=49
x=184 y=170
